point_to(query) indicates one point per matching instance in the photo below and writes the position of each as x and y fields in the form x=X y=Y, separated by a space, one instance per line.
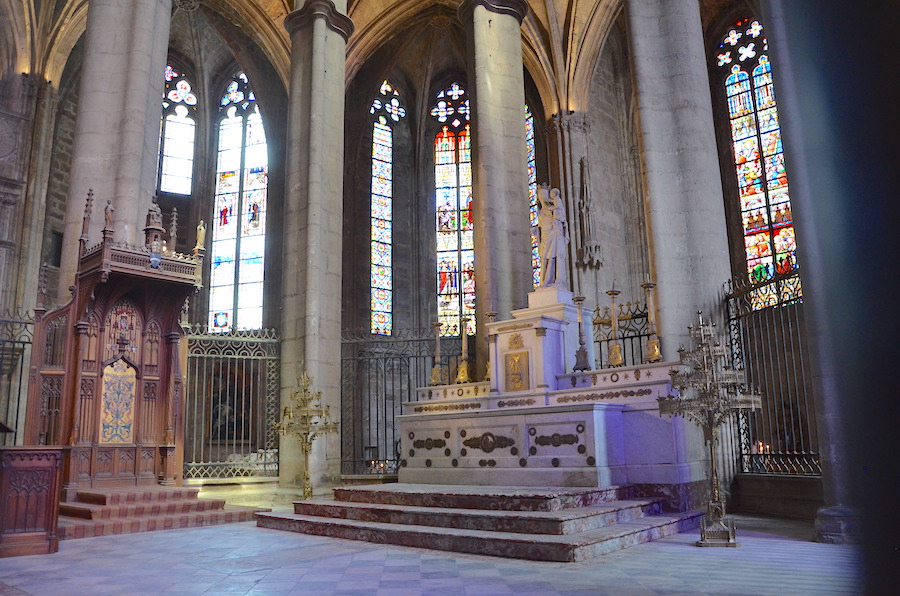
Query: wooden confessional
x=106 y=373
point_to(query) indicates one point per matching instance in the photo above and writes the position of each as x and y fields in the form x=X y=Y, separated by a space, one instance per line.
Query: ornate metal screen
x=632 y=333
x=378 y=374
x=770 y=343
x=16 y=335
x=232 y=404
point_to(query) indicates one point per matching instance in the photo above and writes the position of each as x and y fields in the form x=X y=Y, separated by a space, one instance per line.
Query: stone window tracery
x=237 y=252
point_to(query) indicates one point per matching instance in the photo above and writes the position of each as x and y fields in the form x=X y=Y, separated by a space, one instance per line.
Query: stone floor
x=775 y=557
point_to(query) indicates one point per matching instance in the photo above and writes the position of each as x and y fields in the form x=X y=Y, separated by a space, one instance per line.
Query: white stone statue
x=554 y=238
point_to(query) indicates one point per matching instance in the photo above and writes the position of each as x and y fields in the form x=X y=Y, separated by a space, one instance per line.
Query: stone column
x=311 y=300
x=500 y=178
x=682 y=185
x=837 y=144
x=116 y=141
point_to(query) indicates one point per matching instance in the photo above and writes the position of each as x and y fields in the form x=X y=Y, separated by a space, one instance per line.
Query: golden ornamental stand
x=709 y=392
x=651 y=348
x=306 y=418
x=462 y=371
x=614 y=357
x=436 y=369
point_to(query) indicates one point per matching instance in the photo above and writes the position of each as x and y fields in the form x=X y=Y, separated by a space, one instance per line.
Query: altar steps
x=515 y=522
x=103 y=512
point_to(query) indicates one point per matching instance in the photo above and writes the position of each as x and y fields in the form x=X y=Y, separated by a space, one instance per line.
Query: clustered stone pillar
x=117 y=128
x=311 y=300
x=683 y=188
x=500 y=178
x=843 y=323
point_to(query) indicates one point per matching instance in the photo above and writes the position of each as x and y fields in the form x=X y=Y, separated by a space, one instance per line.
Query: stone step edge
x=96 y=511
x=555 y=522
x=540 y=547
x=486 y=497
x=69 y=527
x=133 y=495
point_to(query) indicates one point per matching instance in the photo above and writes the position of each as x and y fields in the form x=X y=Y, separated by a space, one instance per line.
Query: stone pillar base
x=837 y=525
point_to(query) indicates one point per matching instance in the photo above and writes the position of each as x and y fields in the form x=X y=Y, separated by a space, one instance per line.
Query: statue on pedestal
x=554 y=238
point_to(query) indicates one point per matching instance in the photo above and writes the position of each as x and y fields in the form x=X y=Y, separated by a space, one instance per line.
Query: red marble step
x=567 y=521
x=71 y=528
x=135 y=495
x=510 y=498
x=145 y=508
x=539 y=547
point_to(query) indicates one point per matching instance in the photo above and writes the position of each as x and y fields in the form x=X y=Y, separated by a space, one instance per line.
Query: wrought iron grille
x=771 y=344
x=232 y=404
x=16 y=337
x=378 y=374
x=632 y=333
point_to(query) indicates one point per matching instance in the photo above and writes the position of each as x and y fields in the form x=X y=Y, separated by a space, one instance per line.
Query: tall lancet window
x=239 y=217
x=453 y=211
x=532 y=196
x=177 y=131
x=387 y=111
x=768 y=231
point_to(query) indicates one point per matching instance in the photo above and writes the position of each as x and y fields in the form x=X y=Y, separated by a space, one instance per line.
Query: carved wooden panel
x=29 y=500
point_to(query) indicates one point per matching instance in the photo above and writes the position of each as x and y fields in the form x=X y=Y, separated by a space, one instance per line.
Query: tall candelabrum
x=652 y=352
x=436 y=369
x=462 y=371
x=306 y=418
x=614 y=356
x=709 y=392
x=581 y=354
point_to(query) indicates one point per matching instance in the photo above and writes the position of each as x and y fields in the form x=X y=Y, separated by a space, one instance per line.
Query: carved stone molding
x=320 y=9
x=514 y=8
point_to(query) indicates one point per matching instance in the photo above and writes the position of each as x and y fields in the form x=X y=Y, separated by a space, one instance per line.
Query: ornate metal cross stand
x=709 y=392
x=306 y=418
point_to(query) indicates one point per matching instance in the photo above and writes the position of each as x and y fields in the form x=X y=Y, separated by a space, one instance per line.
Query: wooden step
x=540 y=547
x=135 y=495
x=70 y=528
x=102 y=512
x=145 y=508
x=513 y=498
x=566 y=521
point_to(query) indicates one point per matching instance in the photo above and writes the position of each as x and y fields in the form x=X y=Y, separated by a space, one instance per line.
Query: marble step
x=539 y=547
x=511 y=498
x=566 y=521
x=71 y=528
x=113 y=496
x=97 y=511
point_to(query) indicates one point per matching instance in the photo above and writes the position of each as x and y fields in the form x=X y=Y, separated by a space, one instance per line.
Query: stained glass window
x=532 y=196
x=453 y=211
x=239 y=219
x=387 y=110
x=177 y=131
x=767 y=223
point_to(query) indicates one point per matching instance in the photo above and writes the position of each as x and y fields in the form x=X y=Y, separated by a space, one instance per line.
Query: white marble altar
x=536 y=423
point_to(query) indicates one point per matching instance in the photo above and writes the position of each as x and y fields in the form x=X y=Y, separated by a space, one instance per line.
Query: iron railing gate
x=378 y=374
x=632 y=333
x=16 y=336
x=232 y=404
x=771 y=345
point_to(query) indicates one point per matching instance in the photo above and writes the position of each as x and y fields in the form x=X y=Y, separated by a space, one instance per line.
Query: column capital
x=514 y=8
x=319 y=9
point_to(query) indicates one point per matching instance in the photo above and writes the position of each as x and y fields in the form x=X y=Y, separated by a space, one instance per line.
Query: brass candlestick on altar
x=708 y=393
x=462 y=371
x=487 y=338
x=581 y=354
x=615 y=348
x=306 y=418
x=651 y=348
x=436 y=369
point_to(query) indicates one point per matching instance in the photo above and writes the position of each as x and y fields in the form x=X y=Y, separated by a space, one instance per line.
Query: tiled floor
x=775 y=557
